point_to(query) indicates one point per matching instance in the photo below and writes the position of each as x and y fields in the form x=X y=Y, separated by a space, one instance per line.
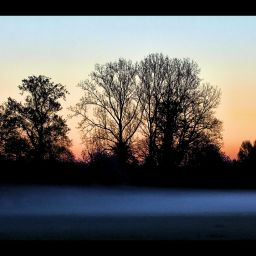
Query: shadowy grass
x=109 y=174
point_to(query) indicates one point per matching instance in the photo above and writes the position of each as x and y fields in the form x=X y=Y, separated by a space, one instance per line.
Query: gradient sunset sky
x=66 y=48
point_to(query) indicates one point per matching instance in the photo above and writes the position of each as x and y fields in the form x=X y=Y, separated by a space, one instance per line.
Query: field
x=51 y=212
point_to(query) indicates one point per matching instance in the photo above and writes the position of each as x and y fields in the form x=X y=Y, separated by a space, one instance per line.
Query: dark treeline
x=146 y=123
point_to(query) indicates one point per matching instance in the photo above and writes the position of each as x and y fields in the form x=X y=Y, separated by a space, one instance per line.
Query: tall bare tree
x=179 y=111
x=110 y=106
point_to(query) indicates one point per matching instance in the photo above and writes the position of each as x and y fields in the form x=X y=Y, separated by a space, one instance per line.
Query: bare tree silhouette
x=110 y=107
x=179 y=110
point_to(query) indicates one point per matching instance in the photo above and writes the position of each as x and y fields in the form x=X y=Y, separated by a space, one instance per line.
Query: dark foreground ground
x=56 y=213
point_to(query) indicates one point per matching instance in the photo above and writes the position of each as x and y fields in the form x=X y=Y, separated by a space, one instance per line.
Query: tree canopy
x=178 y=109
x=35 y=124
x=247 y=152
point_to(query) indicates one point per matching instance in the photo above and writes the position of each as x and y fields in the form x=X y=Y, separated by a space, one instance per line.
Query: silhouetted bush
x=104 y=168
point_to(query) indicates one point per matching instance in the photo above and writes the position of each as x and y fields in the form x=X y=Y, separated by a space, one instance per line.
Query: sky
x=66 y=48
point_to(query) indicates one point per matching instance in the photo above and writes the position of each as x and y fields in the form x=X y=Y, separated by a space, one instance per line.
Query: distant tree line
x=155 y=114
